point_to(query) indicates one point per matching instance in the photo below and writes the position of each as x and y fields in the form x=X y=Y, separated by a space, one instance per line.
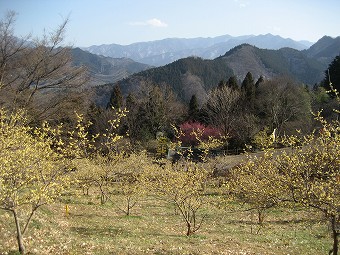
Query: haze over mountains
x=162 y=52
x=215 y=59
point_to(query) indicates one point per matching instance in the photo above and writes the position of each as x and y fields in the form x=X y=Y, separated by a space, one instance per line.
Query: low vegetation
x=155 y=228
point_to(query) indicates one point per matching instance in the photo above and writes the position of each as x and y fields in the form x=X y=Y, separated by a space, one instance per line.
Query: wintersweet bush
x=34 y=169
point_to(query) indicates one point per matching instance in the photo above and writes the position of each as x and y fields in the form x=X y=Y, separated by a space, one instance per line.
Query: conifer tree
x=232 y=82
x=222 y=83
x=248 y=90
x=193 y=108
x=116 y=99
x=259 y=81
x=332 y=75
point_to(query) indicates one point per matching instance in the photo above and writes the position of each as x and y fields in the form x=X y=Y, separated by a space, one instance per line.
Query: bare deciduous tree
x=282 y=101
x=37 y=74
x=223 y=108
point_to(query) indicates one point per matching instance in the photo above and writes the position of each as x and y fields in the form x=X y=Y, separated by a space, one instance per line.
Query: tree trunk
x=335 y=234
x=189 y=231
x=128 y=207
x=102 y=199
x=261 y=216
x=86 y=190
x=19 y=234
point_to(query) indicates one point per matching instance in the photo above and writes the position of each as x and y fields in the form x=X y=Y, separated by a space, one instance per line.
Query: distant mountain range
x=162 y=52
x=197 y=75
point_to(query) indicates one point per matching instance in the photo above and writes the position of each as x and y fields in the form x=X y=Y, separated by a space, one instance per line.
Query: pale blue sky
x=95 y=22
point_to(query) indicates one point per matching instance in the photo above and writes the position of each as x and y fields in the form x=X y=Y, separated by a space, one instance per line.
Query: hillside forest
x=152 y=145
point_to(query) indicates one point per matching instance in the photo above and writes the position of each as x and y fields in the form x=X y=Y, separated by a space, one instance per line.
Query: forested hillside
x=325 y=49
x=185 y=76
x=104 y=70
x=194 y=75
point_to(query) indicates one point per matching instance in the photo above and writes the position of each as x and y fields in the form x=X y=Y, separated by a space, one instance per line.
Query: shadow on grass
x=86 y=215
x=275 y=222
x=114 y=232
x=175 y=236
x=106 y=231
x=131 y=217
x=295 y=221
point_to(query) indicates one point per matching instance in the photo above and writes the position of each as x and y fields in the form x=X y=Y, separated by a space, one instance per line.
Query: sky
x=96 y=22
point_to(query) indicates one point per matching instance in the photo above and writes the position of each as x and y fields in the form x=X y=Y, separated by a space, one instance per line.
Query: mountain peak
x=192 y=75
x=162 y=52
x=325 y=49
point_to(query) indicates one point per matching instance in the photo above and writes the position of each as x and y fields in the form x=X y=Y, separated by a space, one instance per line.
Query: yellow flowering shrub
x=33 y=172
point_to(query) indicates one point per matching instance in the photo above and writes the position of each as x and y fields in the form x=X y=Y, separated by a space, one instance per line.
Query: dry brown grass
x=154 y=228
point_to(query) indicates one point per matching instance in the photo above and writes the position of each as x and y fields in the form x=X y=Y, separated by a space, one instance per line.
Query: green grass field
x=155 y=228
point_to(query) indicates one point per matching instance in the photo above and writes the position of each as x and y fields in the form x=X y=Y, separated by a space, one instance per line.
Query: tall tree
x=221 y=83
x=248 y=90
x=155 y=110
x=283 y=104
x=132 y=119
x=332 y=75
x=223 y=108
x=39 y=75
x=259 y=81
x=232 y=82
x=152 y=109
x=116 y=99
x=194 y=110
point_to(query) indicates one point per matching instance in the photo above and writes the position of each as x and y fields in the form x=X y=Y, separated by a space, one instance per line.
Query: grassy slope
x=154 y=228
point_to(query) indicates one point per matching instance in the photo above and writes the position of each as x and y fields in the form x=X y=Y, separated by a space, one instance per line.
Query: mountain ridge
x=165 y=51
x=194 y=75
x=197 y=75
x=325 y=49
x=103 y=69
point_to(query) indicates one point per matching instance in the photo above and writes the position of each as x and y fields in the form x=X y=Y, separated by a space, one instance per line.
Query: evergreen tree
x=248 y=90
x=193 y=109
x=130 y=101
x=94 y=114
x=155 y=109
x=116 y=99
x=134 y=118
x=222 y=83
x=232 y=82
x=259 y=81
x=332 y=75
